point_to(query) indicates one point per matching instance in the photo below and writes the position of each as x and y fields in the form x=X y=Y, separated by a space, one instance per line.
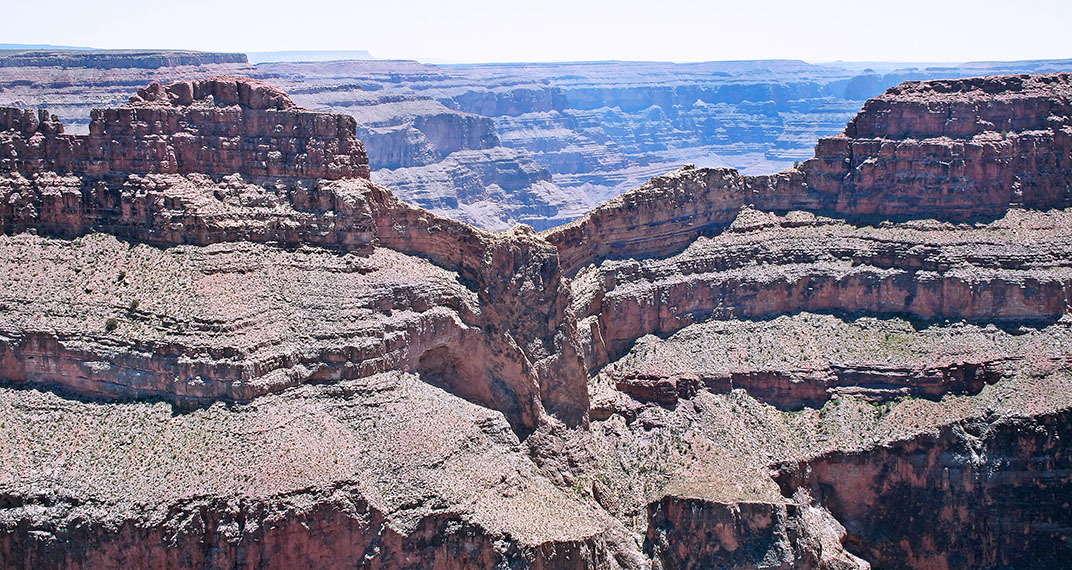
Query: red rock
x=515 y=323
x=953 y=150
x=217 y=126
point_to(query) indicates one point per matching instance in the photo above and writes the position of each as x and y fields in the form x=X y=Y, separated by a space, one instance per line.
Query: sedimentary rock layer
x=352 y=214
x=350 y=379
x=1008 y=272
x=932 y=500
x=213 y=127
x=975 y=153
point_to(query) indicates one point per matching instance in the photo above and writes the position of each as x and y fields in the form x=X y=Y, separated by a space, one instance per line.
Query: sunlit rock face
x=223 y=345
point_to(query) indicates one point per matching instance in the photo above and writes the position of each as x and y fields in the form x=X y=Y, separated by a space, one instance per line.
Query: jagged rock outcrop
x=213 y=127
x=536 y=350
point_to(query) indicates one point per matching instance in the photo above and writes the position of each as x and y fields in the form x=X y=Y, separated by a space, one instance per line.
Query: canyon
x=495 y=145
x=225 y=342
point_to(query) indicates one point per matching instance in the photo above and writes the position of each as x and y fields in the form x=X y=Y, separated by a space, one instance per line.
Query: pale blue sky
x=557 y=30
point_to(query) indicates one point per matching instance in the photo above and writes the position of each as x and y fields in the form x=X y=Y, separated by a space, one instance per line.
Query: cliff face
x=215 y=126
x=223 y=345
x=960 y=149
x=321 y=197
x=955 y=150
x=930 y=500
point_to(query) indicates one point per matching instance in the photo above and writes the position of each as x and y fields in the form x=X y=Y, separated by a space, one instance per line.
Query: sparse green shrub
x=111 y=324
x=133 y=305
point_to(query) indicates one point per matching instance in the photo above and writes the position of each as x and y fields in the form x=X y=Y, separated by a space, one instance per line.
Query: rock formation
x=223 y=345
x=539 y=144
x=216 y=126
x=145 y=172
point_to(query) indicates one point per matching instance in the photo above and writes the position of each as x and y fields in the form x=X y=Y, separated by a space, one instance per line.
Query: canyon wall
x=922 y=150
x=316 y=193
x=875 y=308
x=163 y=130
x=930 y=501
x=714 y=369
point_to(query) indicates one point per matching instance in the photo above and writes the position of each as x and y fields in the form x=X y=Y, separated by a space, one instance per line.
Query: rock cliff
x=923 y=501
x=223 y=345
x=215 y=126
x=133 y=177
x=950 y=150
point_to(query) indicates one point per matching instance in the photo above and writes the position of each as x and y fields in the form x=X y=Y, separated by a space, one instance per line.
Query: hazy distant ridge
x=113 y=59
x=306 y=55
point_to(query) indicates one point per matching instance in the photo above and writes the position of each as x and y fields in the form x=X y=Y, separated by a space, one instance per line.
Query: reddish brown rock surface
x=350 y=214
x=222 y=125
x=929 y=501
x=952 y=150
x=713 y=370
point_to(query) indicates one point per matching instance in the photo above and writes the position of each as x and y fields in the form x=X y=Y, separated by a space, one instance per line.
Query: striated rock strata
x=216 y=126
x=951 y=150
x=222 y=345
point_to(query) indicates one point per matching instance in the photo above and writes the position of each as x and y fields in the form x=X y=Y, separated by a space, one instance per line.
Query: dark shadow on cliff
x=178 y=408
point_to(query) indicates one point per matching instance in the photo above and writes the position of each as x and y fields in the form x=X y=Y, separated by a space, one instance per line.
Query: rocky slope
x=145 y=173
x=274 y=361
x=874 y=308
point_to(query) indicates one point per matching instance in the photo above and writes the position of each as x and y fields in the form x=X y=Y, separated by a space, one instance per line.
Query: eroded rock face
x=214 y=126
x=959 y=149
x=929 y=501
x=712 y=370
x=694 y=533
x=1008 y=272
x=745 y=285
x=514 y=276
x=981 y=146
x=383 y=471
